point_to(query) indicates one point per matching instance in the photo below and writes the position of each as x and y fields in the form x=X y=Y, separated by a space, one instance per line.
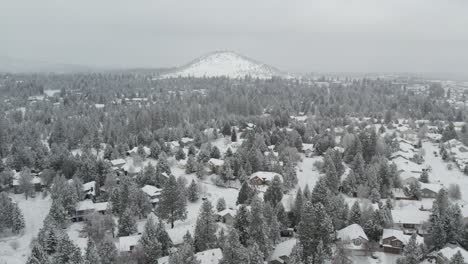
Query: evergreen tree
x=411 y=252
x=38 y=255
x=205 y=228
x=298 y=203
x=457 y=258
x=258 y=229
x=220 y=204
x=180 y=154
x=234 y=252
x=242 y=223
x=127 y=224
x=58 y=213
x=107 y=251
x=245 y=194
x=424 y=178
x=172 y=206
x=91 y=255
x=274 y=192
x=192 y=151
x=191 y=165
x=255 y=255
x=67 y=252
x=163 y=237
x=311 y=234
x=193 y=192
x=321 y=193
x=25 y=183
x=374 y=196
x=215 y=153
x=342 y=255
x=17 y=219
x=163 y=165
x=184 y=255
x=233 y=135
x=296 y=254
x=150 y=246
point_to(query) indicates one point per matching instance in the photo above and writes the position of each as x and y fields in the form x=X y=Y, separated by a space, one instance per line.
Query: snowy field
x=15 y=249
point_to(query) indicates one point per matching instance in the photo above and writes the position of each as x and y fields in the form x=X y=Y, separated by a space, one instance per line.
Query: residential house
x=393 y=241
x=85 y=208
x=430 y=190
x=153 y=193
x=353 y=237
x=444 y=255
x=263 y=177
x=89 y=190
x=216 y=165
x=410 y=220
x=117 y=164
x=209 y=256
x=226 y=216
x=127 y=244
x=399 y=194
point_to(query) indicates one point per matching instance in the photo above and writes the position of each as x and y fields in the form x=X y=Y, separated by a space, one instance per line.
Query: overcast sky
x=305 y=36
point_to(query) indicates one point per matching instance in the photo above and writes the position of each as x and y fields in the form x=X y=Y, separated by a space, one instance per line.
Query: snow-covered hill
x=225 y=63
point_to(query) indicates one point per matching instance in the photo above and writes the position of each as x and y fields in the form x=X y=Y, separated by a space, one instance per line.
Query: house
x=89 y=189
x=353 y=237
x=308 y=149
x=134 y=151
x=126 y=244
x=87 y=207
x=393 y=241
x=282 y=252
x=263 y=177
x=153 y=193
x=36 y=181
x=399 y=194
x=118 y=163
x=444 y=255
x=410 y=220
x=226 y=216
x=215 y=165
x=210 y=256
x=430 y=190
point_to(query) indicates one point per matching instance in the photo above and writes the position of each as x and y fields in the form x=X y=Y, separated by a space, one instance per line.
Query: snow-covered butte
x=225 y=63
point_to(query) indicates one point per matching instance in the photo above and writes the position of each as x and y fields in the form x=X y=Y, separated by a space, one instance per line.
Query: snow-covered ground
x=15 y=249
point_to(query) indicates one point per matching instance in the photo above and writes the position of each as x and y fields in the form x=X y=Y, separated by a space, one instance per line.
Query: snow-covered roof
x=432 y=187
x=85 y=205
x=351 y=232
x=449 y=251
x=226 y=212
x=210 y=256
x=126 y=242
x=283 y=249
x=265 y=175
x=117 y=162
x=135 y=150
x=151 y=190
x=398 y=234
x=409 y=216
x=89 y=186
x=186 y=140
x=216 y=162
x=306 y=146
x=101 y=206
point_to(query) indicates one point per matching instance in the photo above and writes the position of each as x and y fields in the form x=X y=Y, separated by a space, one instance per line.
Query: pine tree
x=245 y=194
x=151 y=247
x=296 y=254
x=191 y=166
x=424 y=178
x=193 y=192
x=58 y=213
x=258 y=229
x=91 y=255
x=172 y=205
x=163 y=237
x=412 y=252
x=163 y=165
x=374 y=196
x=234 y=252
x=355 y=214
x=274 y=192
x=321 y=193
x=220 y=204
x=38 y=255
x=127 y=224
x=242 y=223
x=282 y=216
x=233 y=135
x=67 y=252
x=298 y=203
x=180 y=154
x=184 y=255
x=107 y=251
x=215 y=153
x=205 y=228
x=457 y=258
x=311 y=234
x=25 y=183
x=17 y=219
x=255 y=255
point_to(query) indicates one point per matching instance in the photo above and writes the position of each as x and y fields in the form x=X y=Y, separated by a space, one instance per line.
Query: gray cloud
x=313 y=35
